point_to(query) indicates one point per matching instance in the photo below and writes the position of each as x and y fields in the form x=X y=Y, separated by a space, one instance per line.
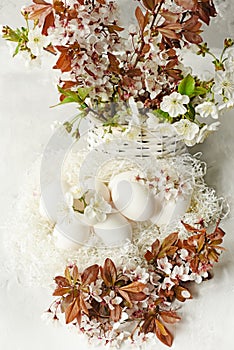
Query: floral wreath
x=127 y=80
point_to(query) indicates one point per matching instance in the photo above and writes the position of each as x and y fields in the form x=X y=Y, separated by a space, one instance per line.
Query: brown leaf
x=149 y=325
x=170 y=240
x=136 y=72
x=66 y=302
x=59 y=292
x=134 y=287
x=43 y=12
x=149 y=4
x=126 y=296
x=83 y=306
x=109 y=273
x=72 y=311
x=62 y=281
x=90 y=274
x=75 y=274
x=114 y=28
x=114 y=63
x=68 y=275
x=217 y=234
x=115 y=314
x=163 y=333
x=170 y=317
x=156 y=247
x=168 y=33
x=137 y=296
x=181 y=292
x=140 y=18
x=149 y=256
x=187 y=4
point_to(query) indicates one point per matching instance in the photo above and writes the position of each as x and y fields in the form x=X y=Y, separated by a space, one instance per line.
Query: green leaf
x=187 y=86
x=199 y=91
x=162 y=115
x=83 y=93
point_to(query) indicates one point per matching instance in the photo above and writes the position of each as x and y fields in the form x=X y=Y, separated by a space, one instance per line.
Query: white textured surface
x=25 y=120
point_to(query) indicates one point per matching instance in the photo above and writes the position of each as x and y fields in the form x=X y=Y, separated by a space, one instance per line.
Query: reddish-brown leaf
x=149 y=4
x=109 y=273
x=156 y=247
x=114 y=63
x=68 y=275
x=163 y=333
x=59 y=292
x=149 y=256
x=62 y=281
x=126 y=296
x=187 y=4
x=137 y=296
x=43 y=12
x=115 y=314
x=90 y=274
x=66 y=302
x=136 y=72
x=149 y=325
x=72 y=311
x=114 y=28
x=141 y=18
x=170 y=240
x=170 y=316
x=168 y=33
x=182 y=293
x=134 y=287
x=218 y=234
x=83 y=306
x=75 y=274
x=102 y=2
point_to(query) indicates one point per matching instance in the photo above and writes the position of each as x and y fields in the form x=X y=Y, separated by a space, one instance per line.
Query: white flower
x=174 y=104
x=206 y=130
x=183 y=253
x=97 y=209
x=188 y=130
x=112 y=300
x=167 y=283
x=76 y=192
x=140 y=275
x=207 y=109
x=152 y=121
x=181 y=273
x=224 y=84
x=37 y=41
x=164 y=265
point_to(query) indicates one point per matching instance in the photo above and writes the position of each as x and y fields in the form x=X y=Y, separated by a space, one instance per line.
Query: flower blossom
x=164 y=265
x=187 y=130
x=37 y=41
x=174 y=104
x=207 y=109
x=224 y=84
x=97 y=209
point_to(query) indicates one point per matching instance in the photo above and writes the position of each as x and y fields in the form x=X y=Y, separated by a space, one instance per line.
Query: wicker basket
x=147 y=143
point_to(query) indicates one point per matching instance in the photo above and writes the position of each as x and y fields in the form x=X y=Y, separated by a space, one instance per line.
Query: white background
x=25 y=119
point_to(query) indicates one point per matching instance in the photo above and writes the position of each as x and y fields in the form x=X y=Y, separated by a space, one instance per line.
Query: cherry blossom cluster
x=112 y=305
x=102 y=62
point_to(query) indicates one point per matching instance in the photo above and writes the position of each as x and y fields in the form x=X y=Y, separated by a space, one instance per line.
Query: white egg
x=127 y=175
x=71 y=235
x=133 y=200
x=103 y=190
x=171 y=210
x=114 y=231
